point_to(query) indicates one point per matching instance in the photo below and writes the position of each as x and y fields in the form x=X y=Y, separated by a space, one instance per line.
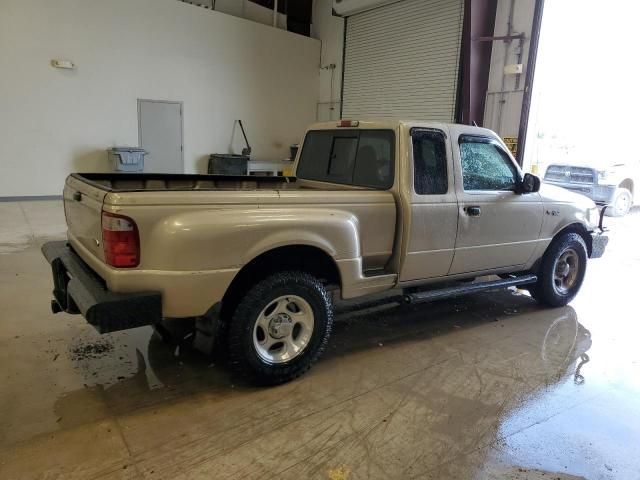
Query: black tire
x=547 y=290
x=244 y=357
x=622 y=202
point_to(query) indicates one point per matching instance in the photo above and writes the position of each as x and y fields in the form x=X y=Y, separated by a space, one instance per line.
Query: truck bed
x=211 y=204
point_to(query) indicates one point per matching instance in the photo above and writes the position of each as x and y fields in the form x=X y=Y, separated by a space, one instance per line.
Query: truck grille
x=570 y=174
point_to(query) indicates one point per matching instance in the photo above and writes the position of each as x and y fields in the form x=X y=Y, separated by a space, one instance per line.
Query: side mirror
x=530 y=183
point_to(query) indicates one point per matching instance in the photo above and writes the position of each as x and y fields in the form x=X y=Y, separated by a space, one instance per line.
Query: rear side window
x=429 y=162
x=363 y=158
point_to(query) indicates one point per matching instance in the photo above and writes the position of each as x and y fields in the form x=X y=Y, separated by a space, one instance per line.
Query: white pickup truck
x=613 y=187
x=374 y=206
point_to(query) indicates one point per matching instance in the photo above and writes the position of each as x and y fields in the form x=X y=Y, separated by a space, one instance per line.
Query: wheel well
x=573 y=228
x=294 y=257
x=580 y=230
x=628 y=184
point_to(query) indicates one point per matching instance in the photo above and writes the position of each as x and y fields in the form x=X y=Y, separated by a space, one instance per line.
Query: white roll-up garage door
x=401 y=61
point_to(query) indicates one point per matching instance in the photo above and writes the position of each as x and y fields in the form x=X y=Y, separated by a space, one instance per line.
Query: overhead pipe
x=275 y=13
x=507 y=47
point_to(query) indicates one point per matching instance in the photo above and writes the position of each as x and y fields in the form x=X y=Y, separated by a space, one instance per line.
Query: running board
x=456 y=291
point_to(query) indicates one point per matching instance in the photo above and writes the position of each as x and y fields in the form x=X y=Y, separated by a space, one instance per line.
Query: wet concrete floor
x=489 y=386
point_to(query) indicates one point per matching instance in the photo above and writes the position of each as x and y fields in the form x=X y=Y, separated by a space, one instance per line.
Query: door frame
x=171 y=102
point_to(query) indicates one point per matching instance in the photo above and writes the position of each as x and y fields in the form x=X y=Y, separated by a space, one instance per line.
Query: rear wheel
x=280 y=328
x=622 y=202
x=562 y=271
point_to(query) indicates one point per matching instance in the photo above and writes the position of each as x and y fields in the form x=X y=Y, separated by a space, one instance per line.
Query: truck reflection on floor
x=141 y=370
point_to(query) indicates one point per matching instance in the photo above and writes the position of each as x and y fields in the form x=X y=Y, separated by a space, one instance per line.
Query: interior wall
x=329 y=29
x=54 y=121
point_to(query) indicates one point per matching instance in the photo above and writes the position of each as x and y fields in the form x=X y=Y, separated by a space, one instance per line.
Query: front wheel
x=562 y=271
x=280 y=328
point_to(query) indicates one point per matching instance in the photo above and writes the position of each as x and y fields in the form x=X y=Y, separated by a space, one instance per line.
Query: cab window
x=362 y=158
x=429 y=162
x=485 y=165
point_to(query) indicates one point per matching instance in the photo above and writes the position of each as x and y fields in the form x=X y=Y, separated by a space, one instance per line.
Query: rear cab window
x=359 y=157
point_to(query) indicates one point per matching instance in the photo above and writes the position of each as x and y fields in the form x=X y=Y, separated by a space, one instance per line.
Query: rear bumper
x=77 y=289
x=600 y=194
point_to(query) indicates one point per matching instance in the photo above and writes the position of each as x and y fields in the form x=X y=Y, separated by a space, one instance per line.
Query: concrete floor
x=489 y=386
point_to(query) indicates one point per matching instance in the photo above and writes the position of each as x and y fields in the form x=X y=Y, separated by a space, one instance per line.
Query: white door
x=160 y=134
x=401 y=61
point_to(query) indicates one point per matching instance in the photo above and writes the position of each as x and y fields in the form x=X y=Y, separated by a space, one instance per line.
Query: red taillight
x=348 y=123
x=120 y=241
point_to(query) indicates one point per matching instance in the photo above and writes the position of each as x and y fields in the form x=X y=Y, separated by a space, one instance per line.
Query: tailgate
x=83 y=210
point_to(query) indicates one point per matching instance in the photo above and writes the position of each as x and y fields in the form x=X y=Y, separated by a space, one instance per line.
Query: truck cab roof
x=374 y=123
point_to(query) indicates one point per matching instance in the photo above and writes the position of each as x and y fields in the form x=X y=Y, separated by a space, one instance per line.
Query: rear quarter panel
x=213 y=233
x=191 y=251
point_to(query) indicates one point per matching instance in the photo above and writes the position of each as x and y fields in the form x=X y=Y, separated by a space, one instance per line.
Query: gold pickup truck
x=373 y=206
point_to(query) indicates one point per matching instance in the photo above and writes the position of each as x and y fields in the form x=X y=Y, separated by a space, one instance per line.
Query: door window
x=429 y=162
x=485 y=165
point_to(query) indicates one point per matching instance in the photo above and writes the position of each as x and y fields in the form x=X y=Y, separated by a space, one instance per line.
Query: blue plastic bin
x=127 y=159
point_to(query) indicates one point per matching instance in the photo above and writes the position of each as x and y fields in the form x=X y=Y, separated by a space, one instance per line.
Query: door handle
x=77 y=196
x=474 y=211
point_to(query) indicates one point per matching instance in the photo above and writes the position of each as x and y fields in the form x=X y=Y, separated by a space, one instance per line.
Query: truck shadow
x=140 y=371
